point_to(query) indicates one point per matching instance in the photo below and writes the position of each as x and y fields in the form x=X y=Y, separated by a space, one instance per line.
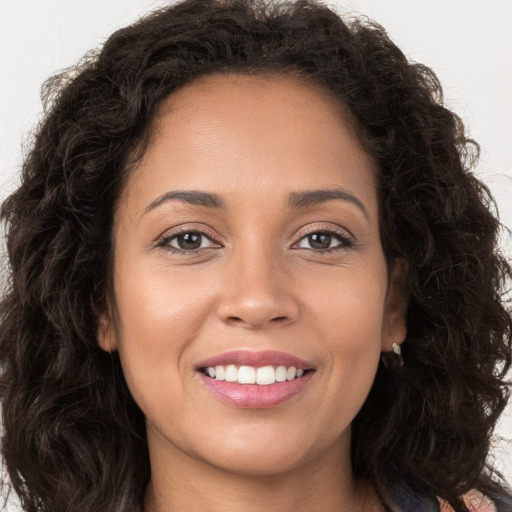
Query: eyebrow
x=309 y=198
x=195 y=197
x=296 y=200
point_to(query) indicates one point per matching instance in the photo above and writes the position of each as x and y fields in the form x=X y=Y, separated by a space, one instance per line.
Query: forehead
x=254 y=92
x=268 y=132
x=251 y=100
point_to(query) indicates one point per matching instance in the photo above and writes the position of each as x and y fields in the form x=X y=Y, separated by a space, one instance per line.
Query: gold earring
x=393 y=359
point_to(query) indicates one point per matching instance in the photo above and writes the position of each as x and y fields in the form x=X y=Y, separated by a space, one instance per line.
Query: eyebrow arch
x=309 y=198
x=195 y=197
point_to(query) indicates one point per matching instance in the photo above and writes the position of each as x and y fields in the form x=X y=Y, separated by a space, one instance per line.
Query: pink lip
x=253 y=396
x=256 y=359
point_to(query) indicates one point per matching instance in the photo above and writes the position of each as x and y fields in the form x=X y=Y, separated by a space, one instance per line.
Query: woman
x=251 y=268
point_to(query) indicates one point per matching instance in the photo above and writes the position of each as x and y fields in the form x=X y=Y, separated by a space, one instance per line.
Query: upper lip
x=256 y=359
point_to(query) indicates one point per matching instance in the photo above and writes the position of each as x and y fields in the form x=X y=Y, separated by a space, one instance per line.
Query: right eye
x=186 y=242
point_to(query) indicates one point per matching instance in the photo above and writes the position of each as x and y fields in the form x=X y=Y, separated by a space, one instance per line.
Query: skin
x=256 y=283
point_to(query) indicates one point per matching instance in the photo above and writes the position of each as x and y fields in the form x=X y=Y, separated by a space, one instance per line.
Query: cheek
x=158 y=319
x=347 y=318
x=348 y=303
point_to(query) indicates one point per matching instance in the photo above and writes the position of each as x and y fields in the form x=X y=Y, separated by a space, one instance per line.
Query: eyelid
x=342 y=233
x=162 y=239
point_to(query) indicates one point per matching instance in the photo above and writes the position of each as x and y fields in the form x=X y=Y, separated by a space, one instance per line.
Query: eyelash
x=346 y=242
x=165 y=240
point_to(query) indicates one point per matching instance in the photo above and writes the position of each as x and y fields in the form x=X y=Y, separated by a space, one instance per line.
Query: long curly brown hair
x=74 y=439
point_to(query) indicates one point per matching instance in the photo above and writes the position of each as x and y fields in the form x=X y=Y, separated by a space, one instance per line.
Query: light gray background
x=467 y=42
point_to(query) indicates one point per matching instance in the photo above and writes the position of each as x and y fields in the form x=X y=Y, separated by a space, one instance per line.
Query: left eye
x=189 y=241
x=323 y=240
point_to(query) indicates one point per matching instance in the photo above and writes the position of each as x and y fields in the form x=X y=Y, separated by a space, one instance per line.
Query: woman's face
x=248 y=237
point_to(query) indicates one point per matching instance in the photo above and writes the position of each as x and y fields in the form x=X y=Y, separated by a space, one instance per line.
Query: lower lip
x=254 y=396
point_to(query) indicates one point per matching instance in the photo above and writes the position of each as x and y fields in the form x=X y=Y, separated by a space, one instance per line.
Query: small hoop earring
x=393 y=359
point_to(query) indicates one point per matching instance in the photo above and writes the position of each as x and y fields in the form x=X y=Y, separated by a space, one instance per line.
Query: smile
x=263 y=376
x=255 y=380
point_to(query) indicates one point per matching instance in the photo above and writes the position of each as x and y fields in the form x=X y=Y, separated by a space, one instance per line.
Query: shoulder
x=475 y=501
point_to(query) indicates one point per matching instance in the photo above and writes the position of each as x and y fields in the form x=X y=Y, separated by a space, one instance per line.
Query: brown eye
x=187 y=241
x=325 y=241
x=320 y=240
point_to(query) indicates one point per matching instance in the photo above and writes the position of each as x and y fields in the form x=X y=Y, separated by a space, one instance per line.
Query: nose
x=257 y=293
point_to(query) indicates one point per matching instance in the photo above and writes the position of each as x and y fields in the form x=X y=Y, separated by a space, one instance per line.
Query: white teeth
x=263 y=376
x=231 y=374
x=219 y=372
x=281 y=373
x=246 y=375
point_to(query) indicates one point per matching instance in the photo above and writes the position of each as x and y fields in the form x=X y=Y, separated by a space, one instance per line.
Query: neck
x=325 y=483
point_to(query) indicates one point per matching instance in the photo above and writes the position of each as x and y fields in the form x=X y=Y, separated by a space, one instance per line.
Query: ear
x=106 y=333
x=394 y=327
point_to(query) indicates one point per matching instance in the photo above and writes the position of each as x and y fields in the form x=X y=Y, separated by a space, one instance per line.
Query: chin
x=254 y=463
x=265 y=452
